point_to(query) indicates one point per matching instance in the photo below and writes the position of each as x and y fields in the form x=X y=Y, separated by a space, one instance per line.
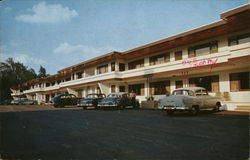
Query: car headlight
x=118 y=101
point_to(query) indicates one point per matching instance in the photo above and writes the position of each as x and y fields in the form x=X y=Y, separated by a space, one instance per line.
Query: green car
x=23 y=101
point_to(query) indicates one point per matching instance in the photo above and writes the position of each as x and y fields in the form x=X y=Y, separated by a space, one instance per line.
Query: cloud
x=26 y=59
x=7 y=9
x=45 y=13
x=67 y=48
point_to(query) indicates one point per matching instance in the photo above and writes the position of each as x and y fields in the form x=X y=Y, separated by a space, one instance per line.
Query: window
x=239 y=81
x=204 y=49
x=178 y=55
x=47 y=84
x=239 y=39
x=113 y=88
x=79 y=93
x=59 y=81
x=201 y=92
x=113 y=66
x=137 y=88
x=102 y=69
x=67 y=79
x=160 y=88
x=121 y=88
x=136 y=64
x=121 y=67
x=211 y=83
x=178 y=84
x=183 y=92
x=79 y=75
x=159 y=59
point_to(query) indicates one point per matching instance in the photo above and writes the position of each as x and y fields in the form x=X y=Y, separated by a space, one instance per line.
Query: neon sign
x=195 y=63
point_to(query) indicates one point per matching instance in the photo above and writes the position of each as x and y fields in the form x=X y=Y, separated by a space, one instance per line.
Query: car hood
x=111 y=99
x=174 y=100
x=86 y=100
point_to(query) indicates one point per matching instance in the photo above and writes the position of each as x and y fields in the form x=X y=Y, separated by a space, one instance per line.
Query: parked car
x=62 y=100
x=23 y=101
x=118 y=100
x=6 y=101
x=192 y=99
x=91 y=100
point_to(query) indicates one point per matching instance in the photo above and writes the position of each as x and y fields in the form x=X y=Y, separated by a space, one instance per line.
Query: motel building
x=215 y=56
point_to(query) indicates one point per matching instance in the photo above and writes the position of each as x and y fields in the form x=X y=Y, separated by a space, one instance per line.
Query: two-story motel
x=215 y=56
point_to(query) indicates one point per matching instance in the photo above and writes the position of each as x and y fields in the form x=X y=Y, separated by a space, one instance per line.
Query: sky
x=59 y=33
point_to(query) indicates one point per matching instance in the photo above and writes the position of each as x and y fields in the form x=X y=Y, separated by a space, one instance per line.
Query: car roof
x=191 y=88
x=119 y=93
x=94 y=93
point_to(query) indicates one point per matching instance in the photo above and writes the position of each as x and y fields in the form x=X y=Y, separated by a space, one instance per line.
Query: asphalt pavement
x=122 y=135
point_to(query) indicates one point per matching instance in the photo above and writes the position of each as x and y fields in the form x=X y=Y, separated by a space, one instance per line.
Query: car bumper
x=107 y=105
x=84 y=105
x=175 y=108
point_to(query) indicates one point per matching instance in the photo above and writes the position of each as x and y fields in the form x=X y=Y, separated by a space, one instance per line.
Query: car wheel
x=121 y=107
x=170 y=112
x=194 y=110
x=217 y=106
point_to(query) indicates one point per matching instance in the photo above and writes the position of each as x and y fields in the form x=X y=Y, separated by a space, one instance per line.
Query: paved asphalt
x=122 y=135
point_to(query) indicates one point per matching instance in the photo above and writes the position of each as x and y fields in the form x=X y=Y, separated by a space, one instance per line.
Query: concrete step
x=243 y=108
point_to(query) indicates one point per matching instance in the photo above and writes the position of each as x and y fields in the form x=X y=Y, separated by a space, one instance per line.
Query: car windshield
x=101 y=96
x=201 y=92
x=92 y=96
x=114 y=95
x=183 y=92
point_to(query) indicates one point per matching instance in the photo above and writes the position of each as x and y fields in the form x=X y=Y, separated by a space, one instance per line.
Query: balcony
x=176 y=65
x=17 y=94
x=240 y=50
x=220 y=57
x=32 y=90
x=99 y=77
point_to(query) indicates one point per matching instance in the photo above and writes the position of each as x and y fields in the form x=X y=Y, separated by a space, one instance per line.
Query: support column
x=172 y=85
x=224 y=82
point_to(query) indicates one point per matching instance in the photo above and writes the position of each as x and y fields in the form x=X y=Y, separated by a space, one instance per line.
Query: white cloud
x=67 y=48
x=7 y=9
x=45 y=13
x=26 y=59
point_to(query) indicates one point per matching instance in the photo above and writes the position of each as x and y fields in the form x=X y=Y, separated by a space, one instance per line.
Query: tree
x=42 y=72
x=13 y=74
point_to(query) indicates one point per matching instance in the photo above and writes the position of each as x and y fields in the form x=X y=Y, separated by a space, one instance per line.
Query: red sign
x=195 y=63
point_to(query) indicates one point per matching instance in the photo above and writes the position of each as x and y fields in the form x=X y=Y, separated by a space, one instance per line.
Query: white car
x=192 y=99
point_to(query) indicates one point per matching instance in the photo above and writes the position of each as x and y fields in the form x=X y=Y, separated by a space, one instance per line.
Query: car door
x=200 y=98
x=209 y=101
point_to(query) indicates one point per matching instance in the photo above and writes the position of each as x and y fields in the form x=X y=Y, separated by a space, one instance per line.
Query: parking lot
x=43 y=132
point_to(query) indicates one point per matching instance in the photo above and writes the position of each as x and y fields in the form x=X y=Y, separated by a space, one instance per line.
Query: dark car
x=6 y=101
x=91 y=100
x=118 y=100
x=24 y=101
x=62 y=100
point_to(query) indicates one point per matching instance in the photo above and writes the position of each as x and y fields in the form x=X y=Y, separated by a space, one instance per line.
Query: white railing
x=99 y=77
